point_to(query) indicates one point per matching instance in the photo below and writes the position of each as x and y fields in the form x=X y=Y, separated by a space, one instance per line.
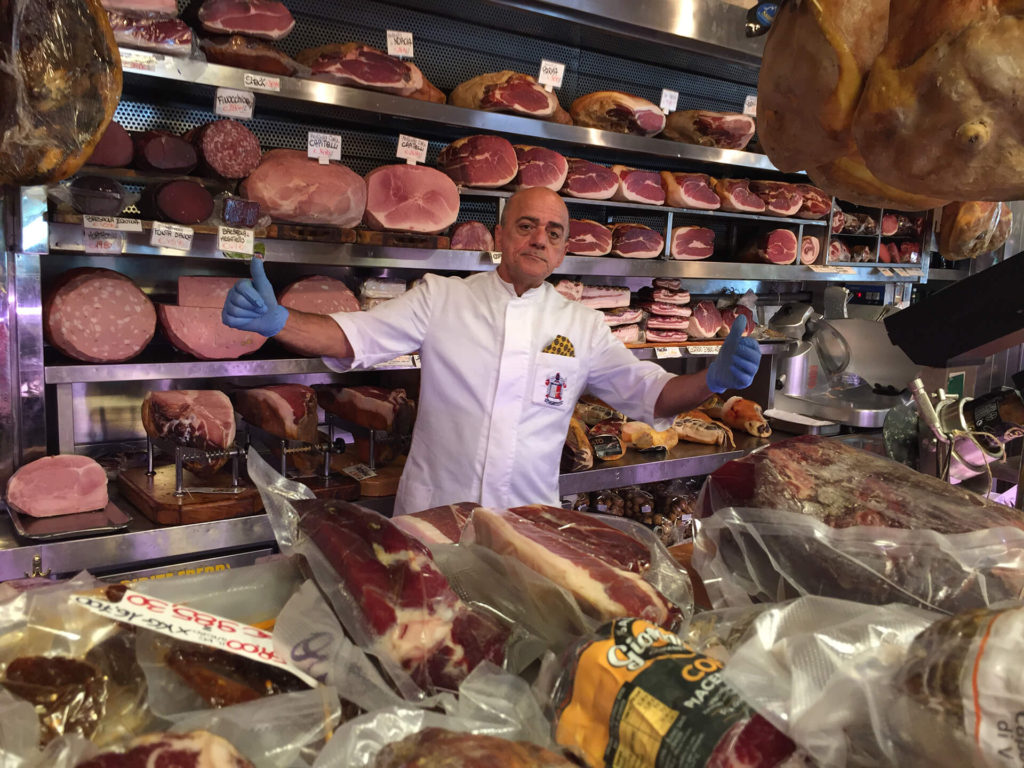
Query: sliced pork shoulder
x=692 y=243
x=705 y=321
x=736 y=196
x=689 y=190
x=781 y=198
x=410 y=198
x=637 y=186
x=589 y=180
x=479 y=161
x=588 y=238
x=539 y=167
x=635 y=241
x=471 y=236
x=58 y=485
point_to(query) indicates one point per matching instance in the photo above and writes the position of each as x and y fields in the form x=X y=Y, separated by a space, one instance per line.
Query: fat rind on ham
x=410 y=198
x=58 y=485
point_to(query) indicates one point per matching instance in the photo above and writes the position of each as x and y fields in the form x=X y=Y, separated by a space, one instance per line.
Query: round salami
x=227 y=148
x=98 y=316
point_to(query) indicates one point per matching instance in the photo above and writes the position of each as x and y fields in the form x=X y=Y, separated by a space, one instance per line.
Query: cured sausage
x=226 y=148
x=163 y=151
x=115 y=148
x=183 y=202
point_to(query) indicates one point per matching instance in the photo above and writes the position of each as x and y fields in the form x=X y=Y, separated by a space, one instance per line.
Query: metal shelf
x=389 y=111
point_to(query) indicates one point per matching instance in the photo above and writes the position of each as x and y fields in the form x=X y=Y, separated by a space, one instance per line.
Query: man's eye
x=524 y=227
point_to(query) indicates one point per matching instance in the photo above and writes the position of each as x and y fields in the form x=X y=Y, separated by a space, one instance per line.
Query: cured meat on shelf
x=437 y=746
x=577 y=452
x=236 y=211
x=204 y=290
x=428 y=91
x=729 y=314
x=360 y=66
x=677 y=296
x=691 y=243
x=738 y=413
x=970 y=229
x=589 y=180
x=622 y=316
x=169 y=36
x=256 y=18
x=163 y=151
x=781 y=198
x=570 y=289
x=181 y=201
x=58 y=485
x=705 y=321
x=287 y=411
x=635 y=241
x=658 y=335
x=115 y=148
x=605 y=296
x=637 y=186
x=862 y=253
x=411 y=614
x=248 y=53
x=668 y=283
x=816 y=203
x=838 y=220
x=776 y=246
x=810 y=247
x=736 y=196
x=291 y=187
x=539 y=167
x=890 y=223
x=156 y=9
x=410 y=198
x=98 y=316
x=203 y=419
x=188 y=750
x=725 y=130
x=226 y=148
x=838 y=251
x=888 y=253
x=588 y=238
x=689 y=190
x=664 y=309
x=97 y=195
x=479 y=161
x=59 y=92
x=319 y=295
x=627 y=334
x=505 y=91
x=909 y=253
x=200 y=332
x=367 y=406
x=619 y=112
x=471 y=236
x=666 y=323
x=438 y=525
x=222 y=678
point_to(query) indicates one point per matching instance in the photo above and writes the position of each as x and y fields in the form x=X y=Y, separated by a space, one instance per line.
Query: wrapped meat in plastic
x=439 y=746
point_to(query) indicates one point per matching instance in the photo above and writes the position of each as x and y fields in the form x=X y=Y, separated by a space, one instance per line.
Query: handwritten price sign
x=400 y=44
x=411 y=149
x=551 y=74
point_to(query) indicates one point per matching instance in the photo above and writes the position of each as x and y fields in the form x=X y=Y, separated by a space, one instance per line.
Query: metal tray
x=798 y=424
x=107 y=520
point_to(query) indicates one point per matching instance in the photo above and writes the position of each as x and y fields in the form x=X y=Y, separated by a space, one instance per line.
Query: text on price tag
x=359 y=472
x=112 y=223
x=103 y=241
x=323 y=147
x=140 y=61
x=400 y=44
x=705 y=349
x=235 y=240
x=551 y=74
x=171 y=236
x=884 y=271
x=663 y=353
x=750 y=104
x=908 y=272
x=669 y=100
x=231 y=103
x=261 y=82
x=411 y=149
x=184 y=623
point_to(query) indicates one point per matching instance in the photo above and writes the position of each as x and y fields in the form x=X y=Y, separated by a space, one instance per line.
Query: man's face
x=533 y=237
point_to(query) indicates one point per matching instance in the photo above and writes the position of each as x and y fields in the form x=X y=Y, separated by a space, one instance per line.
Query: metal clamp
x=37 y=569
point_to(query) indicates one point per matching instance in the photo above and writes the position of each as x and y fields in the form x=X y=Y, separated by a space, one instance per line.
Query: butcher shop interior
x=511 y=383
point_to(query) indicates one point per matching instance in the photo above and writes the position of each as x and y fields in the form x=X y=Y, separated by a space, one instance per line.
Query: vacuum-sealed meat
x=68 y=695
x=440 y=747
x=195 y=749
x=223 y=678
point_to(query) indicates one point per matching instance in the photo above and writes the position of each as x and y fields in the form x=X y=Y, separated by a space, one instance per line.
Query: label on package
x=669 y=100
x=400 y=44
x=184 y=623
x=663 y=353
x=103 y=241
x=551 y=74
x=112 y=223
x=359 y=472
x=231 y=103
x=235 y=239
x=750 y=105
x=140 y=61
x=171 y=236
x=704 y=349
x=323 y=147
x=411 y=149
x=261 y=82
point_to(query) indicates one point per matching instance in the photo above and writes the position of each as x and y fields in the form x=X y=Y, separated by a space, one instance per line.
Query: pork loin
x=505 y=91
x=636 y=241
x=539 y=167
x=196 y=418
x=619 y=112
x=410 y=198
x=58 y=485
x=691 y=243
x=589 y=180
x=199 y=332
x=287 y=411
x=725 y=130
x=471 y=236
x=588 y=238
x=689 y=190
x=482 y=160
x=636 y=186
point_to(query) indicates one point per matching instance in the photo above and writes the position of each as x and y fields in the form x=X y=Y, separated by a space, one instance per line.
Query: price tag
x=495 y=257
x=908 y=272
x=231 y=103
x=103 y=241
x=669 y=100
x=171 y=236
x=411 y=149
x=261 y=82
x=704 y=349
x=140 y=61
x=359 y=472
x=885 y=271
x=113 y=223
x=551 y=74
x=832 y=270
x=400 y=44
x=750 y=105
x=323 y=147
x=235 y=240
x=663 y=353
x=184 y=623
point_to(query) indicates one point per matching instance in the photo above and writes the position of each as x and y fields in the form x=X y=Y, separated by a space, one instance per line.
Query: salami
x=183 y=202
x=115 y=148
x=163 y=151
x=98 y=316
x=226 y=148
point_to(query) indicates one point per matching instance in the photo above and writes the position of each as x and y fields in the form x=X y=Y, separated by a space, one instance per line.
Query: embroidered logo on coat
x=555 y=386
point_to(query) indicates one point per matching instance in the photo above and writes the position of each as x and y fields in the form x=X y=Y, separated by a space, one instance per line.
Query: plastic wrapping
x=969 y=229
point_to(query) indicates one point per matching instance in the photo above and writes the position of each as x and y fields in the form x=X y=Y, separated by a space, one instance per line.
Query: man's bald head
x=532 y=237
x=530 y=197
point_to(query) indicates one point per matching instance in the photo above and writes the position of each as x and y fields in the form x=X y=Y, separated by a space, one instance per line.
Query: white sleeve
x=393 y=328
x=624 y=382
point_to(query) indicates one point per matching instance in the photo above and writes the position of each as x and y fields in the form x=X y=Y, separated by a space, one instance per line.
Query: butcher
x=487 y=429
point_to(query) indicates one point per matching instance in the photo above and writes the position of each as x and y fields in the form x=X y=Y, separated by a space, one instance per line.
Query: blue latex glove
x=737 y=362
x=252 y=306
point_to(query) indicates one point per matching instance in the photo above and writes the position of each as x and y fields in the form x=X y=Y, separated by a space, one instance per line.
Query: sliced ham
x=705 y=321
x=505 y=91
x=200 y=332
x=689 y=190
x=410 y=198
x=729 y=315
x=810 y=247
x=781 y=198
x=622 y=316
x=58 y=485
x=736 y=196
x=589 y=180
x=571 y=289
x=479 y=161
x=657 y=336
x=627 y=334
x=619 y=112
x=637 y=186
x=471 y=236
x=667 y=323
x=725 y=130
x=588 y=238
x=635 y=241
x=257 y=18
x=361 y=66
x=605 y=296
x=539 y=167
x=664 y=309
x=816 y=204
x=692 y=243
x=318 y=295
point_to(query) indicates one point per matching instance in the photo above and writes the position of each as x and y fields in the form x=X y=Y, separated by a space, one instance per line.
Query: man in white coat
x=490 y=425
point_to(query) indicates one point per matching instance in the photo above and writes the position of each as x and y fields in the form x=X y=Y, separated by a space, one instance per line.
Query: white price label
x=140 y=61
x=359 y=472
x=103 y=241
x=112 y=223
x=705 y=349
x=669 y=100
x=231 y=103
x=171 y=236
x=663 y=353
x=885 y=271
x=184 y=623
x=323 y=147
x=400 y=44
x=831 y=270
x=411 y=149
x=235 y=240
x=908 y=272
x=551 y=74
x=261 y=82
x=750 y=105
x=495 y=257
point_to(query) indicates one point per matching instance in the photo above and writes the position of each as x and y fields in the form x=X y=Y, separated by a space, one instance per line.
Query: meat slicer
x=814 y=374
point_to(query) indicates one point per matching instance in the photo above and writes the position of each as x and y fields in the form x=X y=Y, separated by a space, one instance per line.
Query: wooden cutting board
x=402 y=239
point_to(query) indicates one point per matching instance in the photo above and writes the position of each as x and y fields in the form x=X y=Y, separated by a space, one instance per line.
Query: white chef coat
x=494 y=408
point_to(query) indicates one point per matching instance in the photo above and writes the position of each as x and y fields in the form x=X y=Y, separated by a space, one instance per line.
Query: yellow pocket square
x=561 y=346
